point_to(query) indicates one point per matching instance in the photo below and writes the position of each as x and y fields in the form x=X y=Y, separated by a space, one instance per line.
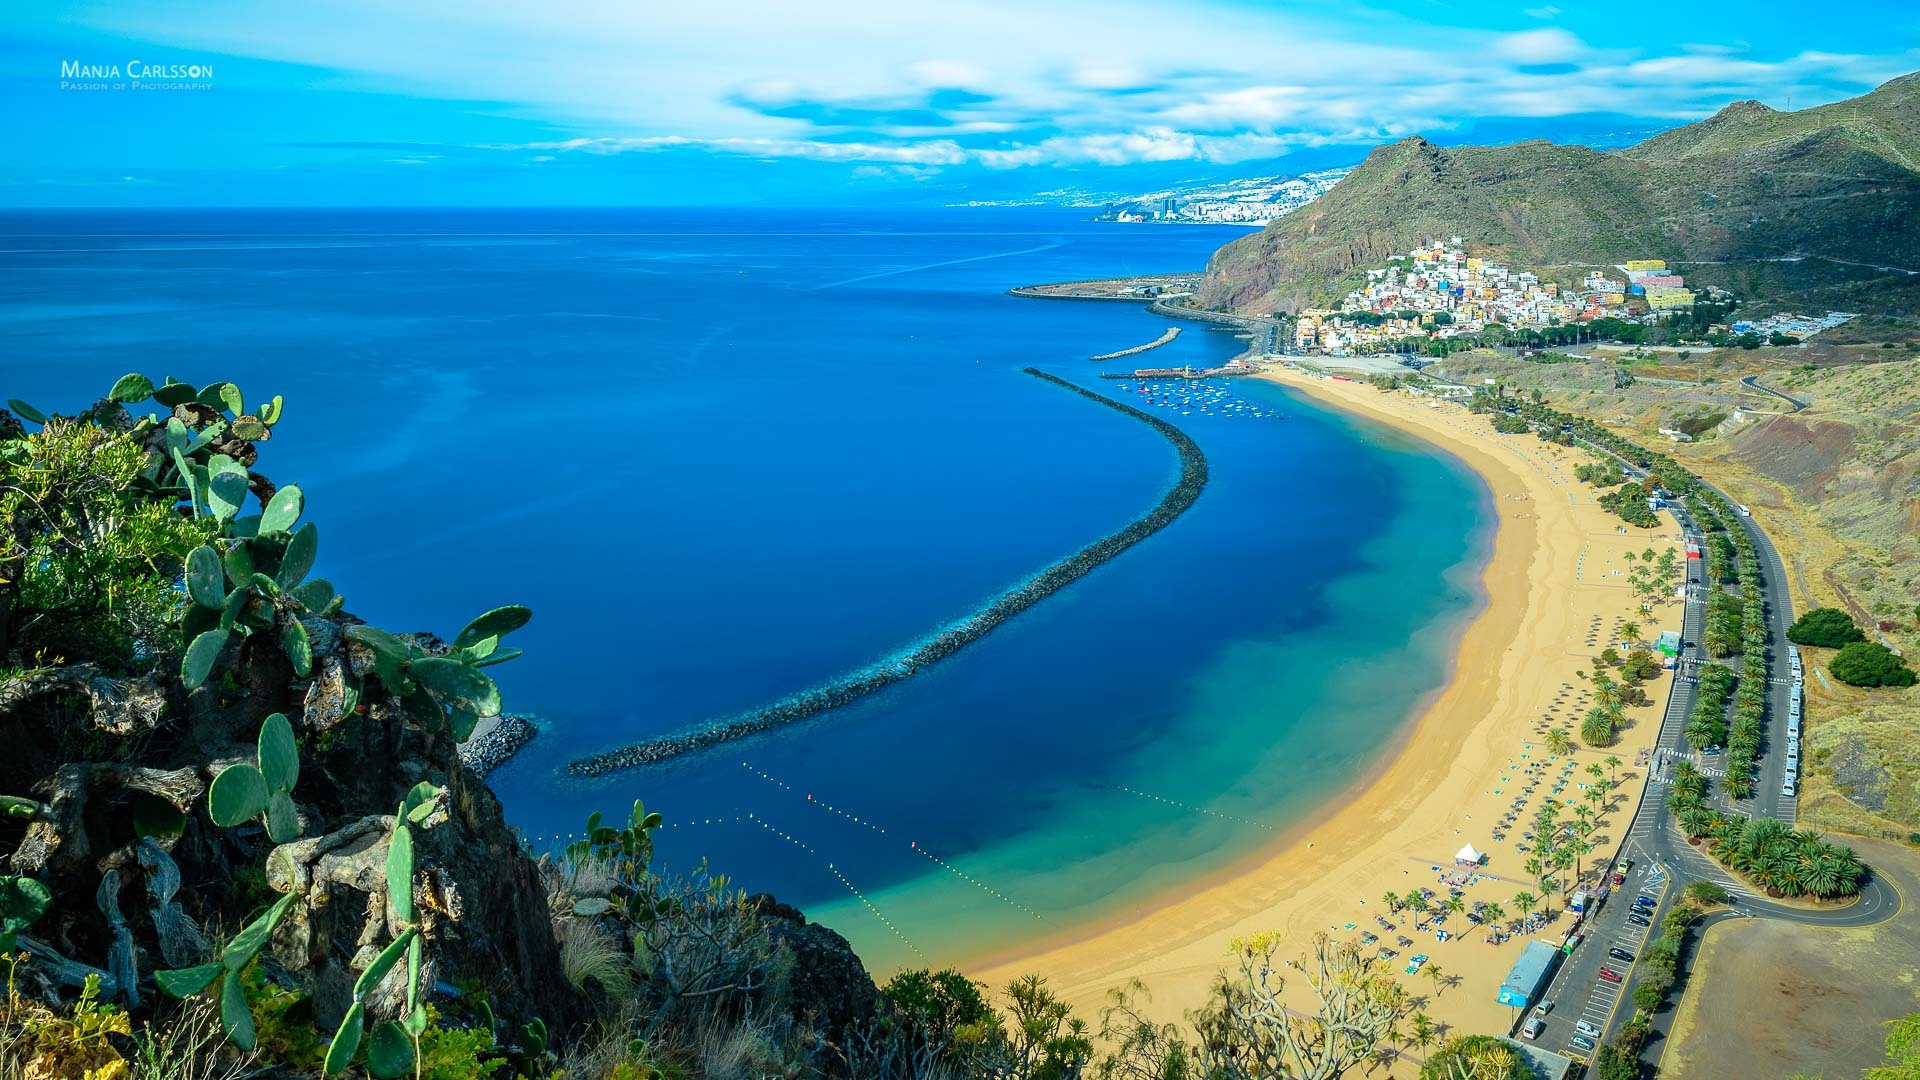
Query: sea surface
x=725 y=456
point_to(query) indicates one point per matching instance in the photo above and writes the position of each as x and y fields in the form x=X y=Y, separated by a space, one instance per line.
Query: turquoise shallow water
x=725 y=457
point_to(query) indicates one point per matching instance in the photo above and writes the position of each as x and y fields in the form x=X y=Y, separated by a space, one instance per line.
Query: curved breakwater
x=1171 y=333
x=858 y=684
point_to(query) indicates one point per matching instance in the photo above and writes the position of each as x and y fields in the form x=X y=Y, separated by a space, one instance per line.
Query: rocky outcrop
x=828 y=987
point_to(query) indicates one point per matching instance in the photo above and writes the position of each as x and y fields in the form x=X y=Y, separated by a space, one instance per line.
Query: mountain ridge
x=1750 y=183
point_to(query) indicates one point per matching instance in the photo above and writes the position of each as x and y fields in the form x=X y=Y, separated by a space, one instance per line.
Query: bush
x=1869 y=663
x=1476 y=1057
x=1828 y=628
x=1706 y=892
x=1648 y=996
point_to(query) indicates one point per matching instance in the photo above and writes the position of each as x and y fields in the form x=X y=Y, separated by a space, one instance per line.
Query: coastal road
x=1754 y=381
x=1663 y=860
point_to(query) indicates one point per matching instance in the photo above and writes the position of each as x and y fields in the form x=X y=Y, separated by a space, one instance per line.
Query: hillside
x=1749 y=184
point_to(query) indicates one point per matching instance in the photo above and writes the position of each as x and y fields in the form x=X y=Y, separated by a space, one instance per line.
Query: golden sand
x=1557 y=591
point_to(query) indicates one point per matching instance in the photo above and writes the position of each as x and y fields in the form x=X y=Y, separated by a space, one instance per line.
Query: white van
x=1787 y=788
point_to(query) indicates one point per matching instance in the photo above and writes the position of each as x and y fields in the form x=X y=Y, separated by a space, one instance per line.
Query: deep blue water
x=725 y=456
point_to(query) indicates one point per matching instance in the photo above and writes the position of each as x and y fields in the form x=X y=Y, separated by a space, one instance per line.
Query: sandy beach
x=1556 y=595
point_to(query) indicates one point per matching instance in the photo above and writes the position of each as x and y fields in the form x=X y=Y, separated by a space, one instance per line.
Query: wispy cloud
x=994 y=83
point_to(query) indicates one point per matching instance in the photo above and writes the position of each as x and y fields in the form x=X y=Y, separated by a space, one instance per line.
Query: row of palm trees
x=1560 y=845
x=1768 y=852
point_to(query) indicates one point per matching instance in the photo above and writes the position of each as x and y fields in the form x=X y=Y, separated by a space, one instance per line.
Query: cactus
x=497 y=623
x=394 y=1047
x=316 y=595
x=250 y=428
x=293 y=639
x=27 y=412
x=270 y=412
x=204 y=578
x=131 y=388
x=228 y=971
x=22 y=900
x=173 y=393
x=298 y=557
x=198 y=663
x=282 y=510
x=243 y=792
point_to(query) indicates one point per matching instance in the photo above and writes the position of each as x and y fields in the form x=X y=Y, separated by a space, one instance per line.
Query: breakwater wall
x=956 y=636
x=1171 y=333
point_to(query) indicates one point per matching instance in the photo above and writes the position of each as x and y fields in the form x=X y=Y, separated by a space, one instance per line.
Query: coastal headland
x=958 y=635
x=1474 y=753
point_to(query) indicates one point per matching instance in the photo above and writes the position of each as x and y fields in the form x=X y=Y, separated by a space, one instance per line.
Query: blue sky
x=401 y=102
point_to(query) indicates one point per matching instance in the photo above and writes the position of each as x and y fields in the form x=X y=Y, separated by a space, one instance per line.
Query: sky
x=637 y=102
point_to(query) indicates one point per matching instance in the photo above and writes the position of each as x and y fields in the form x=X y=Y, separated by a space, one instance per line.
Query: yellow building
x=1668 y=299
x=1646 y=264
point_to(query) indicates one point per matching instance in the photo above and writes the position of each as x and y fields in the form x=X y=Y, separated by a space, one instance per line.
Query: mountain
x=1747 y=185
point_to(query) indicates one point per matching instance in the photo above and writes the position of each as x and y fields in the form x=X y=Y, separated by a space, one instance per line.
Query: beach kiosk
x=1668 y=643
x=1468 y=857
x=1529 y=974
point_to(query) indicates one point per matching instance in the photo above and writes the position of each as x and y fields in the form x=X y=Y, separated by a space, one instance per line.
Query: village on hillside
x=1438 y=292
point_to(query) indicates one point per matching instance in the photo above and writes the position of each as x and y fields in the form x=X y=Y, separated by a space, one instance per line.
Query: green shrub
x=1828 y=628
x=1869 y=663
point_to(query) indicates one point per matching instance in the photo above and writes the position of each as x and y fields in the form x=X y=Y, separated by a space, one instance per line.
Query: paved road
x=1663 y=860
x=1754 y=381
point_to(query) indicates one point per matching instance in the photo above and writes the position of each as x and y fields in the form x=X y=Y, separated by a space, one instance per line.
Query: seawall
x=848 y=688
x=1171 y=333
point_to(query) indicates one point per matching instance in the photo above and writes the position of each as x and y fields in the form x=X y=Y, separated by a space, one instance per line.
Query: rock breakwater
x=956 y=636
x=1171 y=333
x=489 y=749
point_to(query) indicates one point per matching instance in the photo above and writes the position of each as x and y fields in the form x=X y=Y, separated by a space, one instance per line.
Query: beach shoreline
x=1420 y=800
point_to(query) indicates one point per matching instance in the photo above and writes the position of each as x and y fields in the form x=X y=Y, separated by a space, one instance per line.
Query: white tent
x=1469 y=856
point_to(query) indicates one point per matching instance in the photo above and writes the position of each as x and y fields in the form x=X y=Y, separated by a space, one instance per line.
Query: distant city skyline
x=594 y=103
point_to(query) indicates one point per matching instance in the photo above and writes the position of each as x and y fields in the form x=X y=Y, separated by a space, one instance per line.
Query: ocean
x=728 y=455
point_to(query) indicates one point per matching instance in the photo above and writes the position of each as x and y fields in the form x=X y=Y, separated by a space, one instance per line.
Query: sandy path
x=1553 y=601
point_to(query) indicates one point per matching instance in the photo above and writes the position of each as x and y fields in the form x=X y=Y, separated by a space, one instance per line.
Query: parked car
x=1637 y=920
x=1543 y=1008
x=1647 y=900
x=1533 y=1027
x=1587 y=1029
x=1620 y=954
x=1582 y=1042
x=1610 y=975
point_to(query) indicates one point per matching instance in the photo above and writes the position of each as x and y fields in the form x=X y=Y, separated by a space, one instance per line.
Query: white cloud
x=1548 y=45
x=998 y=83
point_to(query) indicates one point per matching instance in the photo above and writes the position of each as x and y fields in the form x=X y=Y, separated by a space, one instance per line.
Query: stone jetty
x=956 y=636
x=1172 y=332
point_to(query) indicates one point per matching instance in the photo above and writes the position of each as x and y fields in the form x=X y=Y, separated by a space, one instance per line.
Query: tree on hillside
x=1826 y=627
x=1869 y=663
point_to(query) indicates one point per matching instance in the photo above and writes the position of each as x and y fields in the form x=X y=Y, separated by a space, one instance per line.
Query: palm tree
x=1611 y=763
x=1422 y=1030
x=1524 y=902
x=1594 y=770
x=1493 y=913
x=1558 y=742
x=1535 y=868
x=1456 y=905
x=1630 y=632
x=1392 y=902
x=1434 y=973
x=1596 y=729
